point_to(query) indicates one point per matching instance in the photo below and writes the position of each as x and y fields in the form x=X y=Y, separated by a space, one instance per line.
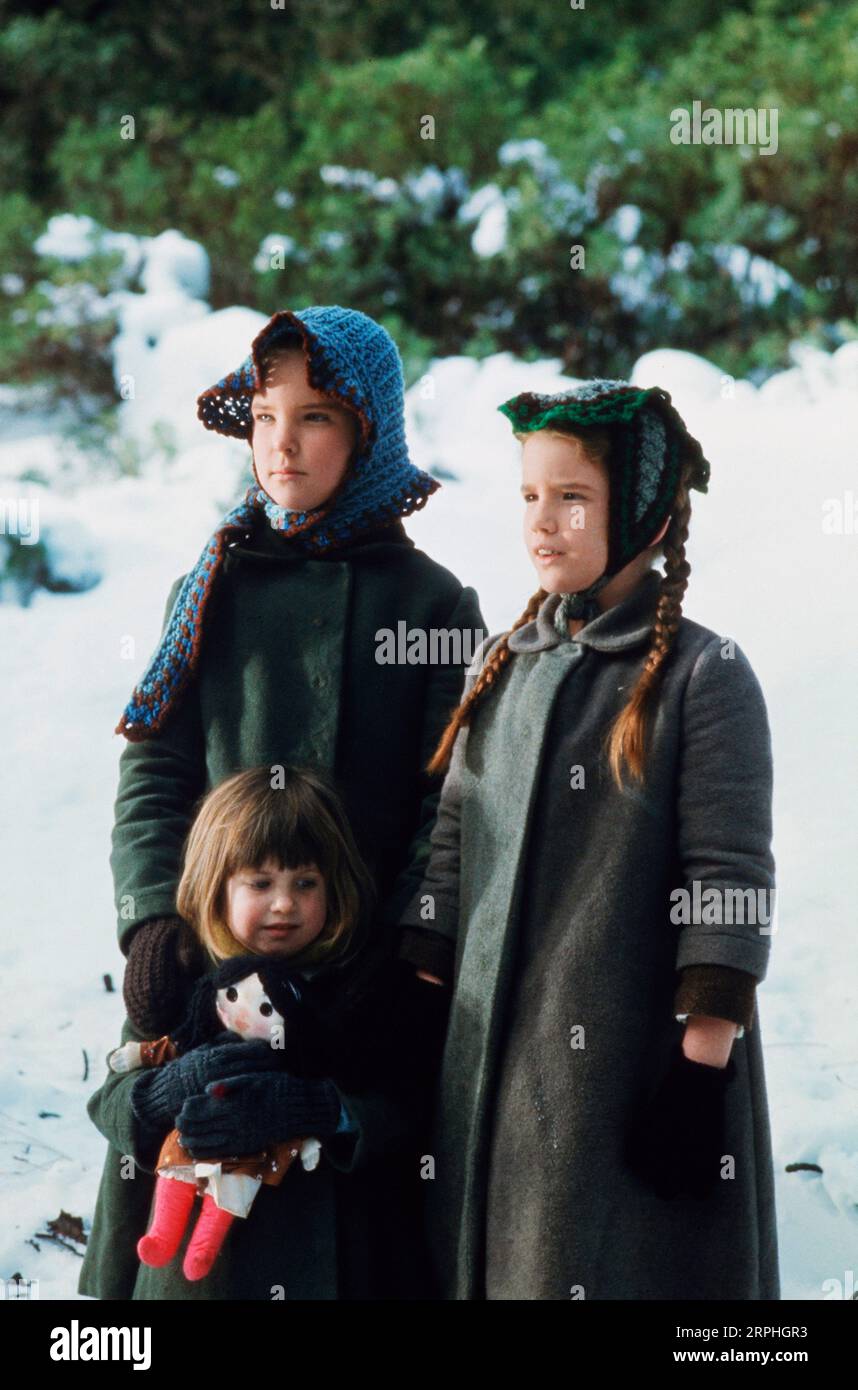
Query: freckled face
x=245 y=1008
x=276 y=912
x=565 y=512
x=302 y=439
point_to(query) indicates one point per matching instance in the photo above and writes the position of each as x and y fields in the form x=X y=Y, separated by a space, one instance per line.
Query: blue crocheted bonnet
x=650 y=445
x=349 y=356
x=352 y=358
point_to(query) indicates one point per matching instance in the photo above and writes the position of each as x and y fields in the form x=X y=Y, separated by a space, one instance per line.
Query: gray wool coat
x=556 y=896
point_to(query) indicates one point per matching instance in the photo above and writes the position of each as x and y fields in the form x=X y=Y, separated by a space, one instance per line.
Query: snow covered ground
x=767 y=569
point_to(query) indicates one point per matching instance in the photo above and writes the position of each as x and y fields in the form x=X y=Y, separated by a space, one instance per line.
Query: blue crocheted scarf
x=348 y=356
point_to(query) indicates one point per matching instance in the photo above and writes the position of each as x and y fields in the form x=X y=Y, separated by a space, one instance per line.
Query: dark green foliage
x=238 y=108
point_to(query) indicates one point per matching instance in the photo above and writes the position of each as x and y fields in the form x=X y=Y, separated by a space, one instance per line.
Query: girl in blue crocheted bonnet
x=268 y=657
x=320 y=401
x=354 y=466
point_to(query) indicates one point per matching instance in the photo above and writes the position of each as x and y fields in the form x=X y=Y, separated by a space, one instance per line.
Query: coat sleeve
x=392 y=1112
x=383 y=1123
x=111 y=1112
x=725 y=816
x=160 y=779
x=429 y=921
x=444 y=691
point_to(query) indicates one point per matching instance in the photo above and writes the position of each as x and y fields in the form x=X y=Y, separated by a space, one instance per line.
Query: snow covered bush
x=44 y=544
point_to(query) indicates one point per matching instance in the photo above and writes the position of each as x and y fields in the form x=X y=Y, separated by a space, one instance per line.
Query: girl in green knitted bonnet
x=601 y=874
x=267 y=657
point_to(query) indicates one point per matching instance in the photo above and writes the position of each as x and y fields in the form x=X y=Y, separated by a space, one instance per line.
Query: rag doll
x=245 y=999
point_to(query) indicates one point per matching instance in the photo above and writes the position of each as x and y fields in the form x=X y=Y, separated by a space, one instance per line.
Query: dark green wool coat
x=350 y=1229
x=554 y=889
x=287 y=674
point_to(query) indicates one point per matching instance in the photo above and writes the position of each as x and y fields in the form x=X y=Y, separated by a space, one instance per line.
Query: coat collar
x=625 y=625
x=261 y=542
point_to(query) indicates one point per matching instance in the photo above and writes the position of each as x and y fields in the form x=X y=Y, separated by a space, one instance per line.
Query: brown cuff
x=427 y=951
x=719 y=991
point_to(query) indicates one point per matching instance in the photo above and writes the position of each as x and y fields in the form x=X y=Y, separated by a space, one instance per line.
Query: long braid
x=626 y=739
x=486 y=680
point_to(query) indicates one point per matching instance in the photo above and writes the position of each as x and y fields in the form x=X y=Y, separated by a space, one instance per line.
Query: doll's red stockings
x=173 y=1203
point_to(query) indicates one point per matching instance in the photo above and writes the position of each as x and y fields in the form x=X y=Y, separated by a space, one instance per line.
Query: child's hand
x=159 y=1094
x=677 y=1136
x=708 y=1040
x=244 y=1115
x=424 y=975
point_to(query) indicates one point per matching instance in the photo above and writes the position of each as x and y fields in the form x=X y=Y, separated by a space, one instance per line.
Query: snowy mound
x=45 y=543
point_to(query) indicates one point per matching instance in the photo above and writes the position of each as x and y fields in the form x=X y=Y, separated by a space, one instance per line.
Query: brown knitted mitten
x=164 y=960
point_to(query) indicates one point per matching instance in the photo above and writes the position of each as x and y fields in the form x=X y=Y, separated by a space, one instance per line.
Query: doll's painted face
x=245 y=1008
x=566 y=500
x=302 y=439
x=274 y=911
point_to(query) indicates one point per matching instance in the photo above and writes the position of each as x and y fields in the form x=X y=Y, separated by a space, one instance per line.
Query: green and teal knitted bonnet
x=650 y=444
